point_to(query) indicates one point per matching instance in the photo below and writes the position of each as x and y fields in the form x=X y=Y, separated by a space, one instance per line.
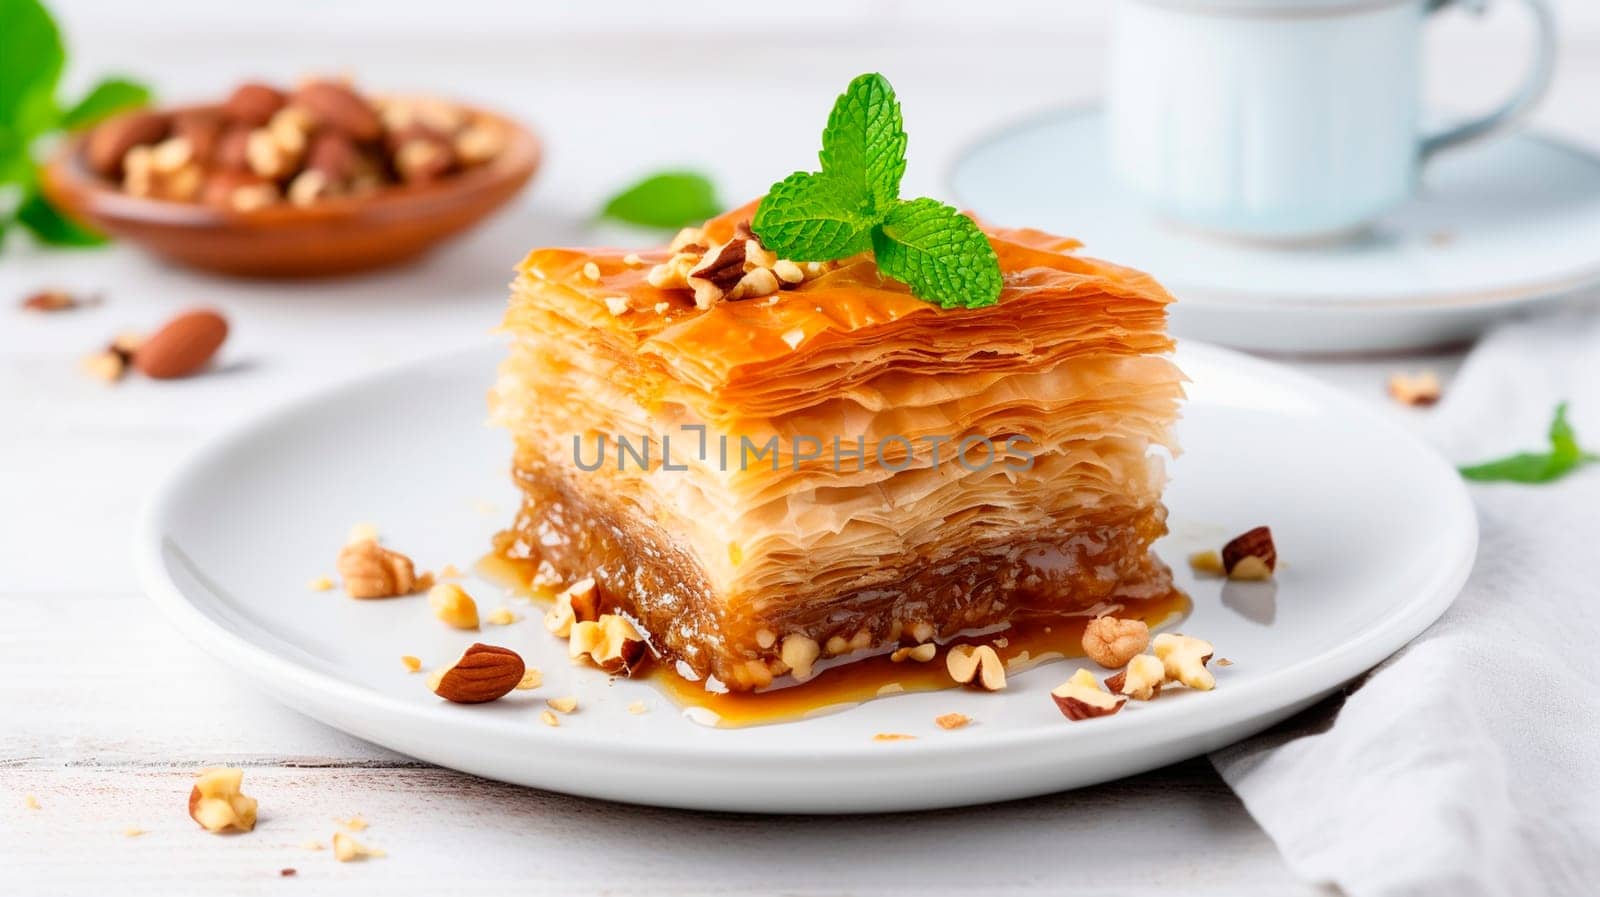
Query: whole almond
x=233 y=149
x=110 y=141
x=202 y=130
x=484 y=673
x=335 y=107
x=183 y=346
x=333 y=155
x=253 y=104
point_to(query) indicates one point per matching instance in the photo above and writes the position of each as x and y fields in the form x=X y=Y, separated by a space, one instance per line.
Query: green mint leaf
x=813 y=218
x=940 y=253
x=865 y=142
x=1564 y=456
x=666 y=200
x=52 y=228
x=107 y=98
x=31 y=58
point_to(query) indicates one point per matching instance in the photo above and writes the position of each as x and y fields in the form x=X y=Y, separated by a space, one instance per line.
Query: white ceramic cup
x=1282 y=119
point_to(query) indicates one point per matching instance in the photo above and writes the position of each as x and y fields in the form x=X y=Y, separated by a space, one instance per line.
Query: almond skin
x=484 y=673
x=183 y=346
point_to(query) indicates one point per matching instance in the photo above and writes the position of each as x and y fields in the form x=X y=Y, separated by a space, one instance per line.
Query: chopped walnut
x=740 y=268
x=372 y=571
x=1111 y=642
x=952 y=720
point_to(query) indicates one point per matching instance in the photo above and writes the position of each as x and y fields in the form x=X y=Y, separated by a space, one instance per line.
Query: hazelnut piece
x=453 y=605
x=1081 y=697
x=217 y=804
x=1141 y=680
x=1184 y=660
x=1251 y=555
x=979 y=666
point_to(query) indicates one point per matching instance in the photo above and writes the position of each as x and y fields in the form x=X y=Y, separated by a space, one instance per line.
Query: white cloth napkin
x=1469 y=763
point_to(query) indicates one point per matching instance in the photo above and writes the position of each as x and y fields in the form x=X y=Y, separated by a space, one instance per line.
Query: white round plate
x=1375 y=531
x=1496 y=226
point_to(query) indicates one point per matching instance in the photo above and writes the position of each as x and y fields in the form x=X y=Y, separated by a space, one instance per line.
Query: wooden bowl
x=335 y=236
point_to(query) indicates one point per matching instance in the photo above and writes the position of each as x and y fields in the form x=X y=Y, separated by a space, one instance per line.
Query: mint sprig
x=32 y=57
x=853 y=204
x=1565 y=456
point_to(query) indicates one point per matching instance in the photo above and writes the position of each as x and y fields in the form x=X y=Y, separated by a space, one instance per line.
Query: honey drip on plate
x=1023 y=645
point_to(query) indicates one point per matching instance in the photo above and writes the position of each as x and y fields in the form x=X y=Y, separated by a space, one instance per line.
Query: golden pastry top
x=1049 y=291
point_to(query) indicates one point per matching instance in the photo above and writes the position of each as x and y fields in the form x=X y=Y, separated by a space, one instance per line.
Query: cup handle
x=1541 y=67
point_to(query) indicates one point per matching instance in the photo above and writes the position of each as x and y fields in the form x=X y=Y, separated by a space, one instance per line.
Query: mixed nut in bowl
x=313 y=180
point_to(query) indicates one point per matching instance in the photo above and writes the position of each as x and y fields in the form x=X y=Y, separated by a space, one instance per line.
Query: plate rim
x=1297 y=683
x=1501 y=298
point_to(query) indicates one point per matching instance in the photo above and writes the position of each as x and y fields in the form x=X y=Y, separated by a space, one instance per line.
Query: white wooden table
x=105 y=712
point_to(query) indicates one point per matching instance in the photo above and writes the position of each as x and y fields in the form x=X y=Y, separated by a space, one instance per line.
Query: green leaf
x=1564 y=456
x=669 y=199
x=50 y=227
x=31 y=57
x=865 y=142
x=812 y=218
x=940 y=253
x=107 y=98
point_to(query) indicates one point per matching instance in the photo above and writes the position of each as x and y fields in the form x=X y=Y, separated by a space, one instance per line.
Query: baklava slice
x=771 y=467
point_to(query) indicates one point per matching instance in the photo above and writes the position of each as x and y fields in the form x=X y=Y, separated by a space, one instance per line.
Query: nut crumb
x=312 y=845
x=920 y=653
x=532 y=678
x=893 y=736
x=453 y=605
x=346 y=848
x=502 y=616
x=1252 y=555
x=132 y=831
x=563 y=705
x=106 y=365
x=353 y=824
x=632 y=260
x=638 y=707
x=591 y=271
x=952 y=720
x=287 y=872
x=448 y=571
x=412 y=663
x=617 y=305
x=320 y=584
x=661 y=308
x=1224 y=662
x=31 y=802
x=1206 y=563
x=1417 y=390
x=549 y=718
x=56 y=300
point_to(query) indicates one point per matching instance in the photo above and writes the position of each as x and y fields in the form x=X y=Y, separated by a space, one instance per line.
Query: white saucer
x=1375 y=531
x=1497 y=226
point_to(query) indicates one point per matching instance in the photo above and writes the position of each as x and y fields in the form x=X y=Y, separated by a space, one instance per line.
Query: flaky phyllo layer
x=721 y=557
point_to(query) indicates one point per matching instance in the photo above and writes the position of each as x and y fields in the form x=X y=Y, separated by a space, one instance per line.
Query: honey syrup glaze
x=842 y=682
